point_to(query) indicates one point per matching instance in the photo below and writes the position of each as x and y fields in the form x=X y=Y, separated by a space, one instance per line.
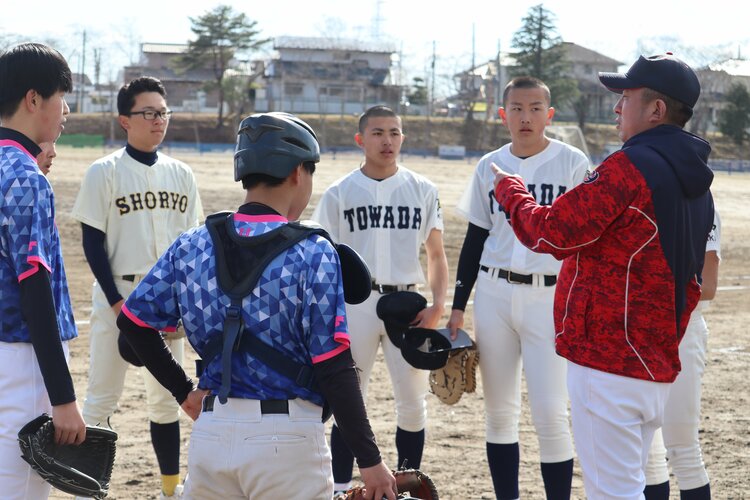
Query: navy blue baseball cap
x=663 y=73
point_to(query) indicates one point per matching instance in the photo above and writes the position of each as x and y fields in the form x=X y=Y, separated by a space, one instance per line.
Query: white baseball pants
x=238 y=453
x=107 y=369
x=514 y=328
x=614 y=420
x=682 y=416
x=24 y=397
x=410 y=385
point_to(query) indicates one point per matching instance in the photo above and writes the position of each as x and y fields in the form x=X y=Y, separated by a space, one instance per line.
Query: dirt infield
x=455 y=451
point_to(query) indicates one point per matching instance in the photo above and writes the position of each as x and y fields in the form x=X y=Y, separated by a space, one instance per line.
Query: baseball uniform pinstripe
x=141 y=209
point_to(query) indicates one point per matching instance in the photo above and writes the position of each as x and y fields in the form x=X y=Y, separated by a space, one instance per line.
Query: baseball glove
x=411 y=484
x=82 y=469
x=459 y=375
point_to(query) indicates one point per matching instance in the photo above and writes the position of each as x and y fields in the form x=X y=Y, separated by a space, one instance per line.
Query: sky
x=697 y=31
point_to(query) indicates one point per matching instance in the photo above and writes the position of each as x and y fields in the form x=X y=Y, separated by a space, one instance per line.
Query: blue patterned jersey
x=28 y=239
x=297 y=306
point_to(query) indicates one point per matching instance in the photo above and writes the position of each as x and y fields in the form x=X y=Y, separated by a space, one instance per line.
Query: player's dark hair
x=375 y=111
x=526 y=82
x=678 y=113
x=128 y=92
x=31 y=66
x=253 y=180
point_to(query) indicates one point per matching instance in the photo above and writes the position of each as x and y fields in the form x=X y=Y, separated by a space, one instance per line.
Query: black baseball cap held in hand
x=428 y=349
x=663 y=73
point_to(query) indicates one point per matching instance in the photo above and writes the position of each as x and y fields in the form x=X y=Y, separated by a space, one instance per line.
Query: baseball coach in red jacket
x=632 y=239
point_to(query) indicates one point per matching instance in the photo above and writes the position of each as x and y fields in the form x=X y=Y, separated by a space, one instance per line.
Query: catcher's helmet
x=273 y=144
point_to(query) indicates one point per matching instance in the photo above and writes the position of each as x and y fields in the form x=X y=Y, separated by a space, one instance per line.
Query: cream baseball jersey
x=385 y=221
x=141 y=209
x=547 y=175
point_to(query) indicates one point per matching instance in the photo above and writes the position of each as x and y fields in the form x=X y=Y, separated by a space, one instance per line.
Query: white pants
x=614 y=420
x=23 y=398
x=410 y=385
x=238 y=453
x=107 y=369
x=514 y=327
x=682 y=416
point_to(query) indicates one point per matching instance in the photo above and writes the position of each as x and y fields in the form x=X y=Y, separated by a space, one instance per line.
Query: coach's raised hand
x=500 y=174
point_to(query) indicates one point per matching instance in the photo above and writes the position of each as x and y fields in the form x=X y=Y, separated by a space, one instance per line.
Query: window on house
x=293 y=88
x=335 y=92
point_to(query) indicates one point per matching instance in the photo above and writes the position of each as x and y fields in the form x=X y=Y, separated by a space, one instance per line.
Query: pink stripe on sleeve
x=34 y=261
x=330 y=354
x=132 y=317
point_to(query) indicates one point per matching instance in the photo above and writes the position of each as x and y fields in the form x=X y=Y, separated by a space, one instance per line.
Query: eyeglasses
x=152 y=115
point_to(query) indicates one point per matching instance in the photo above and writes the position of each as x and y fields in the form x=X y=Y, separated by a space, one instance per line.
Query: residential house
x=327 y=76
x=482 y=86
x=186 y=90
x=716 y=79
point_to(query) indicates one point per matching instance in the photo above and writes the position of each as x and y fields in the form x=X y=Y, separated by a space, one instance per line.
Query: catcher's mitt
x=411 y=484
x=459 y=375
x=82 y=469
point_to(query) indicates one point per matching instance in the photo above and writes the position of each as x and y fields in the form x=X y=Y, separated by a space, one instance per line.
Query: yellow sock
x=169 y=483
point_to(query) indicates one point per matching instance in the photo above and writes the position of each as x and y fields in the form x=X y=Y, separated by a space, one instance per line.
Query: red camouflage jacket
x=632 y=237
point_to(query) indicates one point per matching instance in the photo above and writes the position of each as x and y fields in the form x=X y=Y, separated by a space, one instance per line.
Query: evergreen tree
x=418 y=94
x=221 y=33
x=734 y=119
x=539 y=52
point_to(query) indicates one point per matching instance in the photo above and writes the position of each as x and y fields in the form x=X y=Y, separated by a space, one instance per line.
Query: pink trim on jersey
x=132 y=317
x=331 y=354
x=34 y=260
x=260 y=218
x=14 y=144
x=342 y=337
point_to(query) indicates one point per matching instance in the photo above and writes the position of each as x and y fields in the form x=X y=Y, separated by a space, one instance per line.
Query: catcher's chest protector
x=240 y=261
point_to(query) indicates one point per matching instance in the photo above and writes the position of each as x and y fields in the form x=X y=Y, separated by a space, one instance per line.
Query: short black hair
x=253 y=180
x=372 y=112
x=527 y=82
x=678 y=113
x=128 y=92
x=31 y=66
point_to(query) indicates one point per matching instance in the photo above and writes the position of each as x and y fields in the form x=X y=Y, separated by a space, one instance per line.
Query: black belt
x=390 y=288
x=520 y=279
x=267 y=406
x=129 y=277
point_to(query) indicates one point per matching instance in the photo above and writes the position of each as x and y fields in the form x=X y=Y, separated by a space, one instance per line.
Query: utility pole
x=79 y=100
x=377 y=21
x=499 y=77
x=431 y=101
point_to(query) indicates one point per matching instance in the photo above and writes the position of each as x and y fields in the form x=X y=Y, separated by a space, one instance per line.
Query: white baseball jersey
x=713 y=244
x=142 y=209
x=547 y=175
x=385 y=221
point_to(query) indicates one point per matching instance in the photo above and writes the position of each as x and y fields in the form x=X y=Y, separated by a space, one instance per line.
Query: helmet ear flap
x=243 y=161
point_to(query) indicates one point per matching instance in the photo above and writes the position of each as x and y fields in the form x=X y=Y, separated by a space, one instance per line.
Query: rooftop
x=332 y=43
